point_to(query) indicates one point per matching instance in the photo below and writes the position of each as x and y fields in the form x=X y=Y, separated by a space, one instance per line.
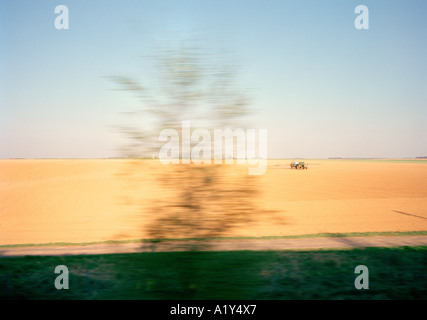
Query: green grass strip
x=317 y=235
x=394 y=273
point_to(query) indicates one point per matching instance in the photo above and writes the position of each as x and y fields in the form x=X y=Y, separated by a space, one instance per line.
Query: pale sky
x=321 y=87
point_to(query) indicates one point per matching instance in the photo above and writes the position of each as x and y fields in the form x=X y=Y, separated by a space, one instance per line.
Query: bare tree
x=204 y=201
x=199 y=201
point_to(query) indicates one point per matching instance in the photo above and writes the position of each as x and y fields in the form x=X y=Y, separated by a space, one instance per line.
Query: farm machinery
x=298 y=165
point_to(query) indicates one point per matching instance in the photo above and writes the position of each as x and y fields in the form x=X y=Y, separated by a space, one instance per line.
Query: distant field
x=385 y=160
x=80 y=201
x=421 y=160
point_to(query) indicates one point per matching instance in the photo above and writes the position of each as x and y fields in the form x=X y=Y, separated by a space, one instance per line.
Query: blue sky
x=321 y=87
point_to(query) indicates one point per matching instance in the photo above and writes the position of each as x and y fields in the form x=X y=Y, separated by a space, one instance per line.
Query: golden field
x=76 y=201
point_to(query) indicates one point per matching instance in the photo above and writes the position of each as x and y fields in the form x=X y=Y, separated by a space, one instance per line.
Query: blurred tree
x=198 y=201
x=204 y=201
x=188 y=85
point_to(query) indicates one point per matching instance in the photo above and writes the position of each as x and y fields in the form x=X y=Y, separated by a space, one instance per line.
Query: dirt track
x=223 y=245
x=77 y=201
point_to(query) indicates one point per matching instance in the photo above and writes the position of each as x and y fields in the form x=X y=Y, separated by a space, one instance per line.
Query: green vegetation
x=317 y=235
x=394 y=273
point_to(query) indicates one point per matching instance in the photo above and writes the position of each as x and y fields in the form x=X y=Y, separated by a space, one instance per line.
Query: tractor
x=298 y=165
